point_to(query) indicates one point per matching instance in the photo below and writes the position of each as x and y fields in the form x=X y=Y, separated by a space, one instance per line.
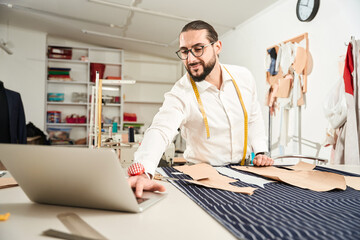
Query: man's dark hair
x=212 y=35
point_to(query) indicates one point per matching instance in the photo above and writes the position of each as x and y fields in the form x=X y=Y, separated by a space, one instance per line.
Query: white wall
x=334 y=25
x=24 y=71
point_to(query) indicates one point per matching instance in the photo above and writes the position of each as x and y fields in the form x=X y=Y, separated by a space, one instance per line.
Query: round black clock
x=306 y=10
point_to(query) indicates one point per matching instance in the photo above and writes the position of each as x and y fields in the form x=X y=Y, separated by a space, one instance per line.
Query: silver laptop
x=79 y=177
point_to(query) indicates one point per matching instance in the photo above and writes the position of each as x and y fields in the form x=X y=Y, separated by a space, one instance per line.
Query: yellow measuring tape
x=196 y=91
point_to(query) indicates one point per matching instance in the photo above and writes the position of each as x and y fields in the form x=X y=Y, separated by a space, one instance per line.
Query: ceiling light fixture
x=124 y=38
x=143 y=10
x=53 y=14
x=4 y=47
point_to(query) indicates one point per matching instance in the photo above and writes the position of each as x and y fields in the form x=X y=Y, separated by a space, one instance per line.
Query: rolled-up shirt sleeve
x=162 y=131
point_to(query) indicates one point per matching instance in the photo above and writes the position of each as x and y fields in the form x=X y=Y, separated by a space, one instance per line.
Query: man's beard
x=207 y=70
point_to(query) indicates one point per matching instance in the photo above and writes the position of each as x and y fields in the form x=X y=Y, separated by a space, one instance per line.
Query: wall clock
x=306 y=10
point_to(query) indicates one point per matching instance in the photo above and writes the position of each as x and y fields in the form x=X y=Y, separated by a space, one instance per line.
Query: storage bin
x=96 y=67
x=53 y=116
x=75 y=119
x=59 y=52
x=55 y=97
x=59 y=136
x=130 y=117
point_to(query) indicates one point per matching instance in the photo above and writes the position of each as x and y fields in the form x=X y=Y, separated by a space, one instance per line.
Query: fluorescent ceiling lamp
x=143 y=10
x=54 y=14
x=110 y=88
x=117 y=82
x=5 y=48
x=124 y=38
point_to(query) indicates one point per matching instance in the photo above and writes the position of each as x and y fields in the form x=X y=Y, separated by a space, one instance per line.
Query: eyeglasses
x=196 y=51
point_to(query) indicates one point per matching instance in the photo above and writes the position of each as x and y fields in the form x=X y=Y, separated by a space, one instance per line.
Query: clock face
x=307 y=9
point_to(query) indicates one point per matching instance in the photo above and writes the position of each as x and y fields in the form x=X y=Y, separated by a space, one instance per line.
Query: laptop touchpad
x=141 y=200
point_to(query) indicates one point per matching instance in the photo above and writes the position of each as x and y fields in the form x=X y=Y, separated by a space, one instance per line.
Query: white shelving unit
x=81 y=83
x=154 y=77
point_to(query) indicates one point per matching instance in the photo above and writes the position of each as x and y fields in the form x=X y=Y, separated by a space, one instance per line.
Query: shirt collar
x=204 y=85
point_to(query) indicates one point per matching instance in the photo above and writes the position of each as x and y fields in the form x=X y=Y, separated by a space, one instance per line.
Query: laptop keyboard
x=141 y=200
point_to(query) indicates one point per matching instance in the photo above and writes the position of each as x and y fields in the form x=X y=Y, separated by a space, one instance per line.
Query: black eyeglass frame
x=190 y=50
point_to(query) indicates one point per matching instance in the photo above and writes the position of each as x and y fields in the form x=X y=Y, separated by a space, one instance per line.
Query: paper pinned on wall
x=207 y=176
x=300 y=60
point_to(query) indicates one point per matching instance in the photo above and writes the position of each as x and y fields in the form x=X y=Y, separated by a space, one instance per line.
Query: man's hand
x=261 y=160
x=142 y=182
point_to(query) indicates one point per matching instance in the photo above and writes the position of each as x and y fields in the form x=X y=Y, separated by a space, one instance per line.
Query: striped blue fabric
x=280 y=211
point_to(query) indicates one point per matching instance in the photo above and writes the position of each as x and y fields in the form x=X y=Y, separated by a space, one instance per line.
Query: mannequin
x=4 y=116
x=12 y=117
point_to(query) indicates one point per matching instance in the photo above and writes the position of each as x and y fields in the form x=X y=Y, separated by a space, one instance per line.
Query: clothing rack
x=352 y=38
x=296 y=39
x=304 y=73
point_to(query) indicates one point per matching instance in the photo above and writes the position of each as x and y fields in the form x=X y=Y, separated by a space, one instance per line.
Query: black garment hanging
x=12 y=117
x=4 y=116
x=273 y=56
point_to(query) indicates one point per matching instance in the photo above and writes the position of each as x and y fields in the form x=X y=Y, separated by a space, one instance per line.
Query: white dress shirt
x=225 y=118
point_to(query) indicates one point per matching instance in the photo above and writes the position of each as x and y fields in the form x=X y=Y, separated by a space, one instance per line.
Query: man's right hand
x=142 y=182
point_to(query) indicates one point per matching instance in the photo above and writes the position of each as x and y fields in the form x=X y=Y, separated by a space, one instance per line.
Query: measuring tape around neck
x=196 y=91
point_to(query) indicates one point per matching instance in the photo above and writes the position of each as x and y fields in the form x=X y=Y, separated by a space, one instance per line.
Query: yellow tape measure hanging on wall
x=196 y=91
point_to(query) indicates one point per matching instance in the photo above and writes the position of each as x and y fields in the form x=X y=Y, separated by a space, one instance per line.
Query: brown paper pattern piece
x=313 y=180
x=7 y=182
x=207 y=176
x=302 y=166
x=196 y=172
x=285 y=85
x=300 y=60
x=353 y=182
x=231 y=188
